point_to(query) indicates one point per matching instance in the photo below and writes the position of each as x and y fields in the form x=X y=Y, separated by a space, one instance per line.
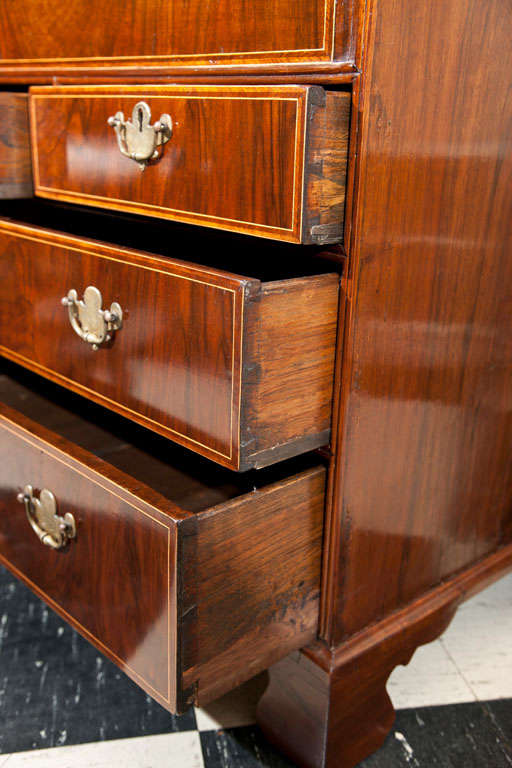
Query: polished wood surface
x=258 y=160
x=148 y=35
x=423 y=474
x=188 y=603
x=15 y=159
x=237 y=370
x=330 y=707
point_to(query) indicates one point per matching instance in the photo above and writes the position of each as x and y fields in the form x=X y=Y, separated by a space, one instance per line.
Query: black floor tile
x=454 y=736
x=55 y=688
x=500 y=713
x=240 y=748
x=475 y=735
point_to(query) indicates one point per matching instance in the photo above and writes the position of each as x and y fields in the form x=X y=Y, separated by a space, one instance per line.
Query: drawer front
x=267 y=161
x=15 y=160
x=197 y=357
x=149 y=33
x=188 y=605
x=119 y=597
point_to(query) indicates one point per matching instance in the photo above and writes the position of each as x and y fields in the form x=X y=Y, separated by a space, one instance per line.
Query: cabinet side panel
x=424 y=463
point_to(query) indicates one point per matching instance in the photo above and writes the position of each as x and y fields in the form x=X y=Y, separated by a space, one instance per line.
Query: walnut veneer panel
x=237 y=370
x=15 y=159
x=267 y=161
x=156 y=34
x=187 y=604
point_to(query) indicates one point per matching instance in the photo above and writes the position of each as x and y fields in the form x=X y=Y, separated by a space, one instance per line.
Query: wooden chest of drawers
x=280 y=232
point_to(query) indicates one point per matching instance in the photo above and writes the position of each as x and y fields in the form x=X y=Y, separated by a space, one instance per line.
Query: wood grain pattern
x=252 y=562
x=15 y=159
x=227 y=589
x=423 y=476
x=330 y=708
x=291 y=329
x=258 y=160
x=192 y=347
x=167 y=36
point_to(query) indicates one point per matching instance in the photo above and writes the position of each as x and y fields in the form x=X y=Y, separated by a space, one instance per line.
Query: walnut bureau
x=255 y=322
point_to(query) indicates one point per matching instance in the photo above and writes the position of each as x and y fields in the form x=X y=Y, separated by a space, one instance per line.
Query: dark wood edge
x=338 y=528
x=198 y=679
x=339 y=78
x=332 y=110
x=260 y=459
x=187 y=613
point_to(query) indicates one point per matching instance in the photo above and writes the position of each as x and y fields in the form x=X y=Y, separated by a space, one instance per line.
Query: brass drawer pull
x=93 y=324
x=51 y=529
x=137 y=138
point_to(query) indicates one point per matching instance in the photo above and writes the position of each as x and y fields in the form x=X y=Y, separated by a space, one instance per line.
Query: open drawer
x=264 y=160
x=190 y=577
x=233 y=367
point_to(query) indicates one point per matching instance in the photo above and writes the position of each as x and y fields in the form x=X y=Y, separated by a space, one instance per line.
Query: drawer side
x=290 y=347
x=15 y=158
x=250 y=583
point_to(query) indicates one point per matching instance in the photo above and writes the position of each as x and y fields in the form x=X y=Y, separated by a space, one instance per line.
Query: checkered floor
x=61 y=704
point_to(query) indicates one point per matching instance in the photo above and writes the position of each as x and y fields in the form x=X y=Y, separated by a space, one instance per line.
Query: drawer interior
x=188 y=481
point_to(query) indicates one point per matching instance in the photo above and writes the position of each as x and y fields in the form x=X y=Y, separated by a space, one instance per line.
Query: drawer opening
x=265 y=260
x=189 y=481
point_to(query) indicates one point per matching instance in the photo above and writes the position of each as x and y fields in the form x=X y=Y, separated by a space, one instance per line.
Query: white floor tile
x=179 y=750
x=480 y=641
x=431 y=678
x=472 y=660
x=235 y=709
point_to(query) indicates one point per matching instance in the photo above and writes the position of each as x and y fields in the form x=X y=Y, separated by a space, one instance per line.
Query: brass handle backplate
x=52 y=529
x=92 y=323
x=137 y=138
